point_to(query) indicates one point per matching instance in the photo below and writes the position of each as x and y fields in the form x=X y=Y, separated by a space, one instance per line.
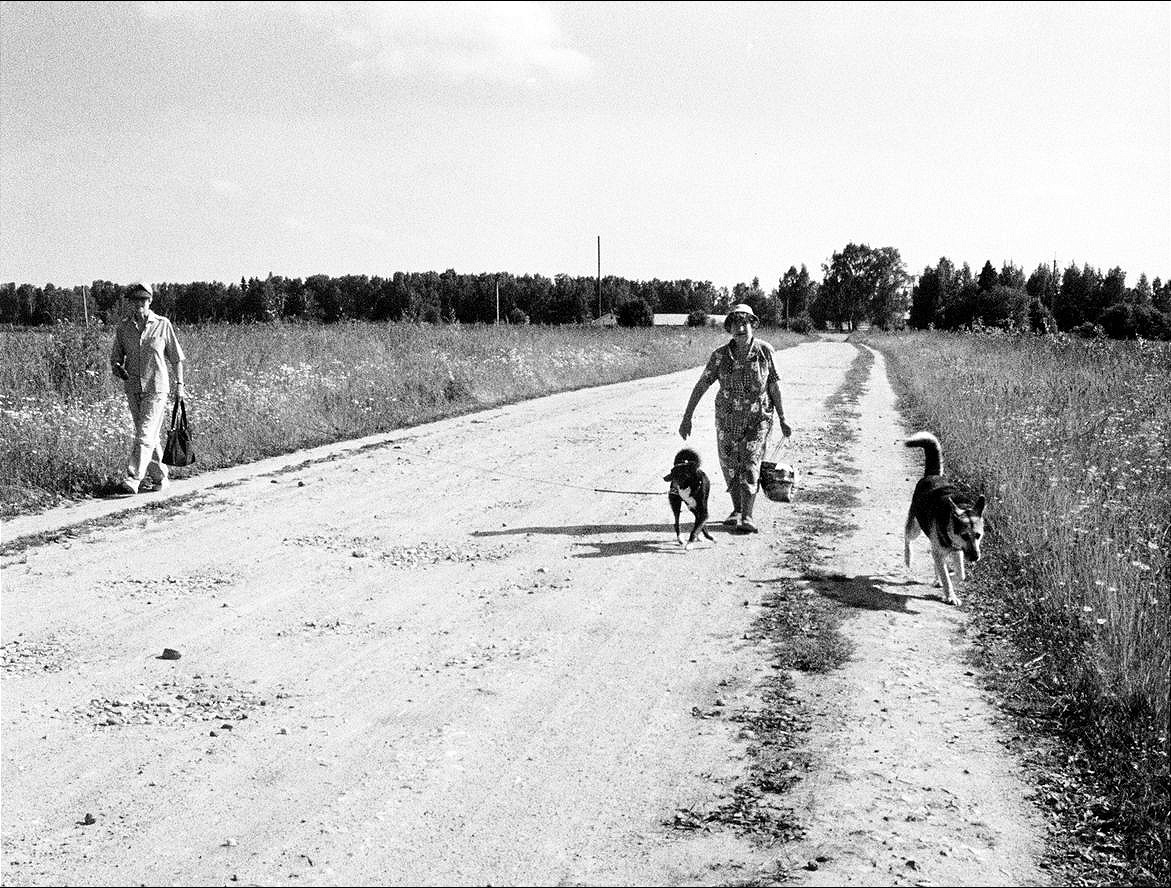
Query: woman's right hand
x=685 y=428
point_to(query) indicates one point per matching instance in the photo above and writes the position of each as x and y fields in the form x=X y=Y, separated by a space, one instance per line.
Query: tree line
x=1079 y=300
x=427 y=297
x=859 y=285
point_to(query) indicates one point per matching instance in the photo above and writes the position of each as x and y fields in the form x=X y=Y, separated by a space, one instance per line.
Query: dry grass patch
x=259 y=390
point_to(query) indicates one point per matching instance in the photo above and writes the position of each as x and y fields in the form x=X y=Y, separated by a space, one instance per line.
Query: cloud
x=501 y=42
x=295 y=223
x=226 y=187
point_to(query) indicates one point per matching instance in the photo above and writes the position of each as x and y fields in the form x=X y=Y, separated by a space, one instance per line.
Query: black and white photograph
x=585 y=443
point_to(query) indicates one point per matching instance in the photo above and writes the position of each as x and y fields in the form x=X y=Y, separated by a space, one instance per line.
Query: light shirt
x=144 y=354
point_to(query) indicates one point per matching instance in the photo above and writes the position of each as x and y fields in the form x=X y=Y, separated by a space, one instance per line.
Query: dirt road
x=444 y=659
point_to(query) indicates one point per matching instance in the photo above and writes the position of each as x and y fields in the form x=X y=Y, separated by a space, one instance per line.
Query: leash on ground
x=520 y=477
x=451 y=462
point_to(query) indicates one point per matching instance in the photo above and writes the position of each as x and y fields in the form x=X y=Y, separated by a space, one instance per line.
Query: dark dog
x=952 y=523
x=689 y=484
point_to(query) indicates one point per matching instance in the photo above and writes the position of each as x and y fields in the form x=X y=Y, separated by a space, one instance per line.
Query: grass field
x=264 y=389
x=1069 y=440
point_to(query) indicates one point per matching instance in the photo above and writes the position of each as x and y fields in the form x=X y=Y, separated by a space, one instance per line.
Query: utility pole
x=85 y=303
x=498 y=300
x=599 y=277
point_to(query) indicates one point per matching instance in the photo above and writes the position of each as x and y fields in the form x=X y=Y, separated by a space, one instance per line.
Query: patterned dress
x=744 y=411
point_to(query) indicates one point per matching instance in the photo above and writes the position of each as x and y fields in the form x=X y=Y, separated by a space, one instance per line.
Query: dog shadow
x=577 y=529
x=662 y=543
x=630 y=547
x=665 y=530
x=863 y=592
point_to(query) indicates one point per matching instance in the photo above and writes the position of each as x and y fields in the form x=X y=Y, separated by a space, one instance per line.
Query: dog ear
x=667 y=477
x=980 y=503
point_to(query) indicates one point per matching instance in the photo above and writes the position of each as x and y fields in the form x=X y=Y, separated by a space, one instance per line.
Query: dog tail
x=687 y=455
x=933 y=454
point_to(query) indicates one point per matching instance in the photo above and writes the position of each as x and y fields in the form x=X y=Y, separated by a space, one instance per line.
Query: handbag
x=179 y=450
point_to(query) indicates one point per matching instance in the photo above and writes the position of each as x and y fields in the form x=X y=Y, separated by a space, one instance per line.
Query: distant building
x=606 y=320
x=680 y=320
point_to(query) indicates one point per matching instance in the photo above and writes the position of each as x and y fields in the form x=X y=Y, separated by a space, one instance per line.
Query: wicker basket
x=777 y=481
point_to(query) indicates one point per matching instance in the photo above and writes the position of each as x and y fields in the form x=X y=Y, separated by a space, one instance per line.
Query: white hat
x=741 y=309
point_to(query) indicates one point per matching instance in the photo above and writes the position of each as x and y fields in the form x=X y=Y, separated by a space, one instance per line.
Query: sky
x=720 y=142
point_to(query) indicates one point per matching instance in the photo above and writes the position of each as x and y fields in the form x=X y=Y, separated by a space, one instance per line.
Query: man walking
x=144 y=344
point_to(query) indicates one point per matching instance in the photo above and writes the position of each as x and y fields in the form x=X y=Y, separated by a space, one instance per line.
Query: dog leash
x=520 y=477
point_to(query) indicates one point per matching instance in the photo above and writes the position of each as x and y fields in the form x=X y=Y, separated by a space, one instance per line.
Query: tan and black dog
x=952 y=523
x=689 y=484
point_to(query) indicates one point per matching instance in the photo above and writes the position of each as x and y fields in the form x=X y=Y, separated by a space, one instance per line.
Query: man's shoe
x=732 y=520
x=161 y=484
x=127 y=488
x=746 y=526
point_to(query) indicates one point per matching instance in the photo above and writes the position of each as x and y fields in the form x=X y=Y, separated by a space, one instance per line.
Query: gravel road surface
x=440 y=656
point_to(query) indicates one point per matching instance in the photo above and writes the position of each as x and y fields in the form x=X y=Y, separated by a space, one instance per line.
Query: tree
x=1041 y=285
x=27 y=298
x=861 y=283
x=298 y=300
x=570 y=301
x=703 y=297
x=326 y=295
x=794 y=293
x=1118 y=321
x=926 y=299
x=1002 y=306
x=9 y=305
x=1040 y=318
x=988 y=278
x=888 y=303
x=1112 y=291
x=1161 y=295
x=635 y=312
x=1077 y=298
x=1141 y=294
x=1011 y=276
x=264 y=300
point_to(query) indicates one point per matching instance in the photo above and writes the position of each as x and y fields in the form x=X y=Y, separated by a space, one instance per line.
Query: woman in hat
x=749 y=392
x=144 y=344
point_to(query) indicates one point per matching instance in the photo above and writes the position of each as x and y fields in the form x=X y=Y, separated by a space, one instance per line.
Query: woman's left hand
x=786 y=430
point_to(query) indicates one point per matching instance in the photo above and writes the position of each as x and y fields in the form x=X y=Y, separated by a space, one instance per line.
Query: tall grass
x=1069 y=438
x=259 y=390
